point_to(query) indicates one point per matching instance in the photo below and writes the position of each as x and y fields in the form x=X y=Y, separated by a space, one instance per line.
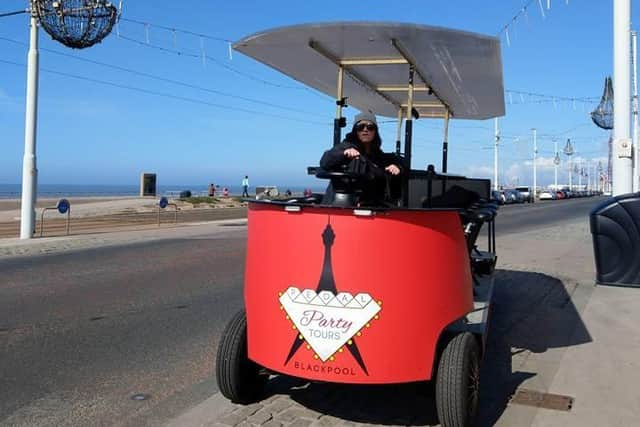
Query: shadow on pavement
x=531 y=312
x=402 y=404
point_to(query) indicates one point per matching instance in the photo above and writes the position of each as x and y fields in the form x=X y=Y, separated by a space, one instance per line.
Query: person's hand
x=351 y=153
x=393 y=169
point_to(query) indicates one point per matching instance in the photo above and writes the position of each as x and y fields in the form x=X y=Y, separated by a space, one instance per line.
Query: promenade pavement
x=553 y=331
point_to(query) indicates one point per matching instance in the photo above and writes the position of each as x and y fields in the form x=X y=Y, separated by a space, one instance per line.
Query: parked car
x=547 y=195
x=526 y=193
x=513 y=196
x=497 y=197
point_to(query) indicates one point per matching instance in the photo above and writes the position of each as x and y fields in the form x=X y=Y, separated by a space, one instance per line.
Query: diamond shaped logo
x=328 y=321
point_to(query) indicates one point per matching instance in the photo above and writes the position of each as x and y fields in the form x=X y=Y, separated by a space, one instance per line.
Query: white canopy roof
x=456 y=71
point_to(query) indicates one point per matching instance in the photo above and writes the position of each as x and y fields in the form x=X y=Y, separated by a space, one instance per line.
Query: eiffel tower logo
x=356 y=311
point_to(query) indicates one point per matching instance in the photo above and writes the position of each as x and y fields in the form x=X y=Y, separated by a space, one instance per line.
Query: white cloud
x=521 y=173
x=478 y=171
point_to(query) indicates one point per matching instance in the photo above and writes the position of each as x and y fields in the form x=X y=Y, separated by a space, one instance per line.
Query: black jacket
x=375 y=181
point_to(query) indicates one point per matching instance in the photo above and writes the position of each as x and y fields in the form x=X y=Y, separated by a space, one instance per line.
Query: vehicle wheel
x=238 y=377
x=458 y=381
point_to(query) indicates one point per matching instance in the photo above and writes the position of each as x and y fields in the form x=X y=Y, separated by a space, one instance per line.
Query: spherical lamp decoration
x=76 y=23
x=602 y=116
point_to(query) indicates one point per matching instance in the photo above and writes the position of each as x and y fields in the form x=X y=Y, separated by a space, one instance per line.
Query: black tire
x=239 y=378
x=458 y=381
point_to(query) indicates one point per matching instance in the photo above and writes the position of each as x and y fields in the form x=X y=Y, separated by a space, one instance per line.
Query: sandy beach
x=91 y=214
x=81 y=206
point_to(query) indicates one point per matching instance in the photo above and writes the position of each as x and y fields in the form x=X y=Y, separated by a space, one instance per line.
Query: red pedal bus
x=338 y=291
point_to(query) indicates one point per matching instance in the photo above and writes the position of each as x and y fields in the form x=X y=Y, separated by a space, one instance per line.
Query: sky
x=131 y=104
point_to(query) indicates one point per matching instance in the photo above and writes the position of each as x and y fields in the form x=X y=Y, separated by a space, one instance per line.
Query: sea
x=13 y=191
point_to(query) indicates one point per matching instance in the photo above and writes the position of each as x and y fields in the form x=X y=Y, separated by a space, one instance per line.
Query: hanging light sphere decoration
x=568 y=149
x=602 y=116
x=76 y=23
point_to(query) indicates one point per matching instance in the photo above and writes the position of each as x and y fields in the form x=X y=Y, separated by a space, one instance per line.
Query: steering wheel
x=357 y=169
x=325 y=174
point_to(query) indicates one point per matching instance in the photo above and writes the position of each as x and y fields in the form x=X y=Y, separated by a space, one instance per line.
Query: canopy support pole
x=399 y=132
x=445 y=143
x=408 y=132
x=339 y=121
x=408 y=129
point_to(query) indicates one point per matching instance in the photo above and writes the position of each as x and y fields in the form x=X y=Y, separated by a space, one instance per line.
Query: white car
x=546 y=195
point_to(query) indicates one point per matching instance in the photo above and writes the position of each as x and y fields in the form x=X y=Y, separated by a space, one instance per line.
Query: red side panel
x=394 y=281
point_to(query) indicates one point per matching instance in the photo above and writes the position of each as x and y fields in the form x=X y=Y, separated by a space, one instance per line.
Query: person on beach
x=361 y=151
x=212 y=190
x=245 y=186
x=225 y=192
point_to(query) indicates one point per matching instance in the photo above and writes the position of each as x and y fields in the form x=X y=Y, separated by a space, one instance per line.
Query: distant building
x=147 y=184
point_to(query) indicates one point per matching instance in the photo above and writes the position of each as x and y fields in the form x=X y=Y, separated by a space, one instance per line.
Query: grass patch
x=198 y=200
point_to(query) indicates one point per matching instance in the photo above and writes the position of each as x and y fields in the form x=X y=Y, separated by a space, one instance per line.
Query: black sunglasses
x=368 y=126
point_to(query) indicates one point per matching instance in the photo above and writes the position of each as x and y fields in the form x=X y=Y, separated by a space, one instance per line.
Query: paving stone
x=279 y=405
x=272 y=423
x=301 y=422
x=247 y=411
x=329 y=421
x=260 y=417
x=292 y=414
x=231 y=419
x=271 y=399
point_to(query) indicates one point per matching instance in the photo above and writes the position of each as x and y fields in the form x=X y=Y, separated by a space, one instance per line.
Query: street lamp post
x=635 y=185
x=556 y=162
x=29 y=168
x=587 y=173
x=495 y=156
x=74 y=23
x=622 y=161
x=568 y=151
x=600 y=178
x=535 y=171
x=580 y=174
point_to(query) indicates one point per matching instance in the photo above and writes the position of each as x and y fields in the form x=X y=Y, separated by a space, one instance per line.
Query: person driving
x=361 y=151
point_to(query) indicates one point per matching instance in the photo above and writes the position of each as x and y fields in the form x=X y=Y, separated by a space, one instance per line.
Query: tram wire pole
x=556 y=162
x=634 y=135
x=622 y=153
x=535 y=170
x=495 y=156
x=29 y=168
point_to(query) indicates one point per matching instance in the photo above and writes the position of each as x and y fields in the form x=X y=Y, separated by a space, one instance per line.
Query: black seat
x=469 y=196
